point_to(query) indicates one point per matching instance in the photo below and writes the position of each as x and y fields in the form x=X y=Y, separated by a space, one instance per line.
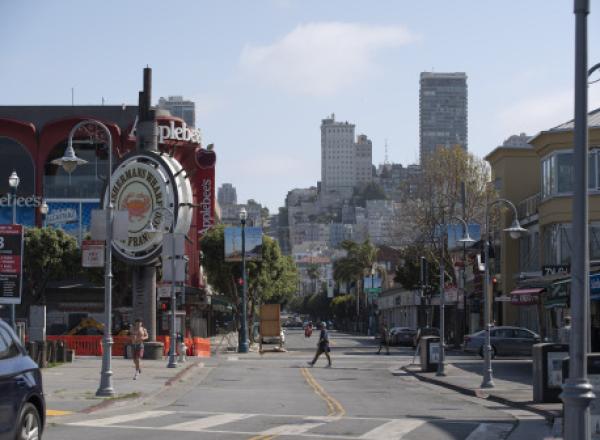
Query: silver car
x=505 y=341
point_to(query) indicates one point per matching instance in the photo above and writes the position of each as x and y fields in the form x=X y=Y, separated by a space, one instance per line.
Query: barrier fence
x=92 y=345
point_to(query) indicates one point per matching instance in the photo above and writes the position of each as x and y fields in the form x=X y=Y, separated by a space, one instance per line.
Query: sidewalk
x=512 y=379
x=72 y=387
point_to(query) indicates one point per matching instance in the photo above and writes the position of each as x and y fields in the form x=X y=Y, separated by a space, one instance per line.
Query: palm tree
x=355 y=266
x=314 y=272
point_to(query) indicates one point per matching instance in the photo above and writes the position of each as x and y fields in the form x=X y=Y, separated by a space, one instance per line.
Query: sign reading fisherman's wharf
x=140 y=185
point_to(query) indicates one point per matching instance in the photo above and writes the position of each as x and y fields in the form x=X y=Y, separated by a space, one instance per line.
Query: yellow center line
x=334 y=407
x=262 y=437
x=57 y=412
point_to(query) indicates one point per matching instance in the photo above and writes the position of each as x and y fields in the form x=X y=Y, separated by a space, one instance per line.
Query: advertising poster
x=25 y=216
x=434 y=352
x=11 y=263
x=233 y=243
x=555 y=368
x=73 y=217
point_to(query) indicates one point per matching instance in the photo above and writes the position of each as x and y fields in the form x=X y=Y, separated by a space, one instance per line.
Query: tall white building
x=339 y=156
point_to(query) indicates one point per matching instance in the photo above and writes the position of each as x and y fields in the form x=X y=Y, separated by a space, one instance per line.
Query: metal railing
x=529 y=206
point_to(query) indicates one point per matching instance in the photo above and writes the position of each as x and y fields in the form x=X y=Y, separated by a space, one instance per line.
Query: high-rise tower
x=442 y=111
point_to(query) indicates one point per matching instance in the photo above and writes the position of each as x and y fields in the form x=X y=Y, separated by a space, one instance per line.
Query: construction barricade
x=201 y=347
x=81 y=345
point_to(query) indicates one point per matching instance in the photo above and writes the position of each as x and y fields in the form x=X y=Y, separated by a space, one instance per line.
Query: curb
x=116 y=401
x=550 y=416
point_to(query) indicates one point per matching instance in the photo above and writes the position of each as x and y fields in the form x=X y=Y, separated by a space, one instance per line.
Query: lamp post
x=149 y=228
x=44 y=211
x=577 y=389
x=515 y=231
x=13 y=182
x=464 y=239
x=243 y=337
x=69 y=162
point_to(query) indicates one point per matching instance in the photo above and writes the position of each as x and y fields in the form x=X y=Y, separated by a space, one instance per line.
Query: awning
x=525 y=297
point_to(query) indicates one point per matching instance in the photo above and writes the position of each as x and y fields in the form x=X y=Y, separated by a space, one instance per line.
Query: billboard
x=72 y=216
x=233 y=243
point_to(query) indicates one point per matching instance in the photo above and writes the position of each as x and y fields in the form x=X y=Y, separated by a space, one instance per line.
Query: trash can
x=429 y=351
x=548 y=371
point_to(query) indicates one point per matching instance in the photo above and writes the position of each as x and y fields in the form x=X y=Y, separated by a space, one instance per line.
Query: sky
x=263 y=73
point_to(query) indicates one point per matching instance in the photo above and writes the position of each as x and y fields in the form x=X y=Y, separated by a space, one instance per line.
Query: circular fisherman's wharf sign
x=141 y=185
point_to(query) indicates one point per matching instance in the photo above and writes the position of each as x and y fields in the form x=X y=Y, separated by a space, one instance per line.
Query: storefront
x=31 y=137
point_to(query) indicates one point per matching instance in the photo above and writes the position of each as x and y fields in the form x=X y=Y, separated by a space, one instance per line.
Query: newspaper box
x=429 y=350
x=548 y=372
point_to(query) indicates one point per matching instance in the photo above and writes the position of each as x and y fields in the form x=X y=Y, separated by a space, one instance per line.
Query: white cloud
x=322 y=58
x=542 y=112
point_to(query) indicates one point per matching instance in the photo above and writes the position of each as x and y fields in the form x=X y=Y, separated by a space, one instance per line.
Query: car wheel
x=30 y=424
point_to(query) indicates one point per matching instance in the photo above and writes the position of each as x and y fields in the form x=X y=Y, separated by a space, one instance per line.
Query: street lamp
x=13 y=182
x=464 y=239
x=69 y=162
x=577 y=389
x=149 y=228
x=44 y=211
x=515 y=231
x=243 y=339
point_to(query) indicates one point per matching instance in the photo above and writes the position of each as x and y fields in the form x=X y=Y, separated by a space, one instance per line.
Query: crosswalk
x=271 y=426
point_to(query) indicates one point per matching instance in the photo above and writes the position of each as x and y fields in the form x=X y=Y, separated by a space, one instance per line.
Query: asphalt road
x=277 y=395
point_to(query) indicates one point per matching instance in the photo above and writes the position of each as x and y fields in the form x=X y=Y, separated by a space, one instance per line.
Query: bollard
x=182 y=352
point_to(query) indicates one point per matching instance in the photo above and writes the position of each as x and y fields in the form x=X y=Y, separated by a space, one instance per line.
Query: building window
x=558 y=173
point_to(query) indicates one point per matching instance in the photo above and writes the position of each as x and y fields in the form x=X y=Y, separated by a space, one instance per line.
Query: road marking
x=334 y=407
x=490 y=430
x=57 y=412
x=206 y=422
x=98 y=423
x=392 y=430
x=291 y=429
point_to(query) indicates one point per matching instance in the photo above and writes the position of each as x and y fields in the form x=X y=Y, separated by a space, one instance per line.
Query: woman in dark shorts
x=138 y=335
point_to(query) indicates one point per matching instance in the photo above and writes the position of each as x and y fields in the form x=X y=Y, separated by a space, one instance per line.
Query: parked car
x=22 y=405
x=424 y=331
x=505 y=341
x=402 y=335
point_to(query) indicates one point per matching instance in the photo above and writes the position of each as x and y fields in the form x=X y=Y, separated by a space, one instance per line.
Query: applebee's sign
x=183 y=133
x=172 y=132
x=206 y=206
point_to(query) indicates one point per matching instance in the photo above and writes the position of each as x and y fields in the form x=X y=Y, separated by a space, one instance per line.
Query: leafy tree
x=314 y=272
x=272 y=280
x=49 y=254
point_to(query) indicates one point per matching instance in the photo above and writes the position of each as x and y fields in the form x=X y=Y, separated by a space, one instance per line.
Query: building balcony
x=528 y=209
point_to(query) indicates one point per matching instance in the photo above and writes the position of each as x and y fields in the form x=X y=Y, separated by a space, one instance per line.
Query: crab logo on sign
x=142 y=183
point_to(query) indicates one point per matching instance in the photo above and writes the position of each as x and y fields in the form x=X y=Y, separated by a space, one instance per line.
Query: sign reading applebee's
x=141 y=184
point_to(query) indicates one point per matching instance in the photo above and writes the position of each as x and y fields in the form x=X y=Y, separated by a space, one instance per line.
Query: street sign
x=11 y=263
x=92 y=253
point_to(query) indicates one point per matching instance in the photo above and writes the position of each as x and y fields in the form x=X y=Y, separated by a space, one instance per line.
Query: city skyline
x=243 y=69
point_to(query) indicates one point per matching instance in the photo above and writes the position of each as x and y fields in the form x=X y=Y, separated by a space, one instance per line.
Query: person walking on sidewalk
x=138 y=335
x=308 y=330
x=384 y=338
x=322 y=346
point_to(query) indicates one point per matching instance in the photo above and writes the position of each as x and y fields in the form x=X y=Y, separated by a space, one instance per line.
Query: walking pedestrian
x=138 y=335
x=322 y=346
x=384 y=338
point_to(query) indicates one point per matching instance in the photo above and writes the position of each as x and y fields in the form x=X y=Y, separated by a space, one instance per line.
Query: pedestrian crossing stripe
x=389 y=429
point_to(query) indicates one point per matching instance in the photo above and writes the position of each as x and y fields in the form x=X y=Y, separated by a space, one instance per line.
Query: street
x=277 y=395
